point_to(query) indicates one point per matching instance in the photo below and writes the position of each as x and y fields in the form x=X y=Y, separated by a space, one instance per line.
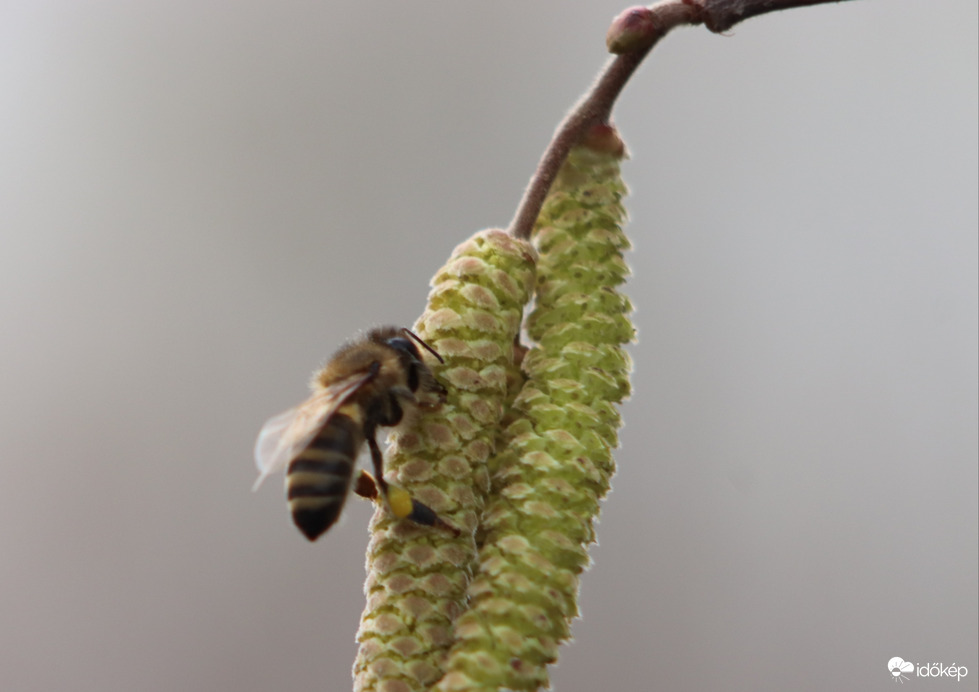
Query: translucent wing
x=285 y=435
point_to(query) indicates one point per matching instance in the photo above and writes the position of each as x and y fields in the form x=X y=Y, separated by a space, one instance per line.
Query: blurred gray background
x=200 y=201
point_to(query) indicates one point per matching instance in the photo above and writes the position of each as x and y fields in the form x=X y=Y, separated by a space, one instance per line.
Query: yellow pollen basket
x=400 y=501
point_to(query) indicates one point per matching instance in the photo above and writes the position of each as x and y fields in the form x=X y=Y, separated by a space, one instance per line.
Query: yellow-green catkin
x=418 y=576
x=556 y=464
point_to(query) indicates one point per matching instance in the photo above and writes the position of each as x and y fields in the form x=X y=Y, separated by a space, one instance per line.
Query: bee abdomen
x=319 y=477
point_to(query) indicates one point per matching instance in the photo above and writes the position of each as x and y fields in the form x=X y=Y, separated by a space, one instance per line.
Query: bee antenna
x=422 y=342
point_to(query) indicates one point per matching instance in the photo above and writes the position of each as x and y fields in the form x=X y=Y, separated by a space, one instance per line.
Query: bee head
x=400 y=341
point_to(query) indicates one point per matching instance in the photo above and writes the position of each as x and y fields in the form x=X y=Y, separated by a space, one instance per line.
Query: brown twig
x=632 y=34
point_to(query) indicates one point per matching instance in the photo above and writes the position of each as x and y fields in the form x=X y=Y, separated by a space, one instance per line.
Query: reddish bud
x=632 y=30
x=604 y=139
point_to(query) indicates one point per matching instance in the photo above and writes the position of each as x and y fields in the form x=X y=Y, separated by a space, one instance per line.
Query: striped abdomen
x=318 y=478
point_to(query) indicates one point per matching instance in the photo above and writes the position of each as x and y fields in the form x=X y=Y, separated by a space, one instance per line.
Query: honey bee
x=371 y=382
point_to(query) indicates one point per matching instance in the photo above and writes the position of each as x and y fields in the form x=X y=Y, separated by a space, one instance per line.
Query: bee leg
x=430 y=388
x=440 y=392
x=376 y=458
x=366 y=486
x=402 y=504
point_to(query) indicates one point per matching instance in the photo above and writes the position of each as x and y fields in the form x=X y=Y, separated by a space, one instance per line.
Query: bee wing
x=285 y=435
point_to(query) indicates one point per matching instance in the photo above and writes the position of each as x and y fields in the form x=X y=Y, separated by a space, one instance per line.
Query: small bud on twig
x=632 y=30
